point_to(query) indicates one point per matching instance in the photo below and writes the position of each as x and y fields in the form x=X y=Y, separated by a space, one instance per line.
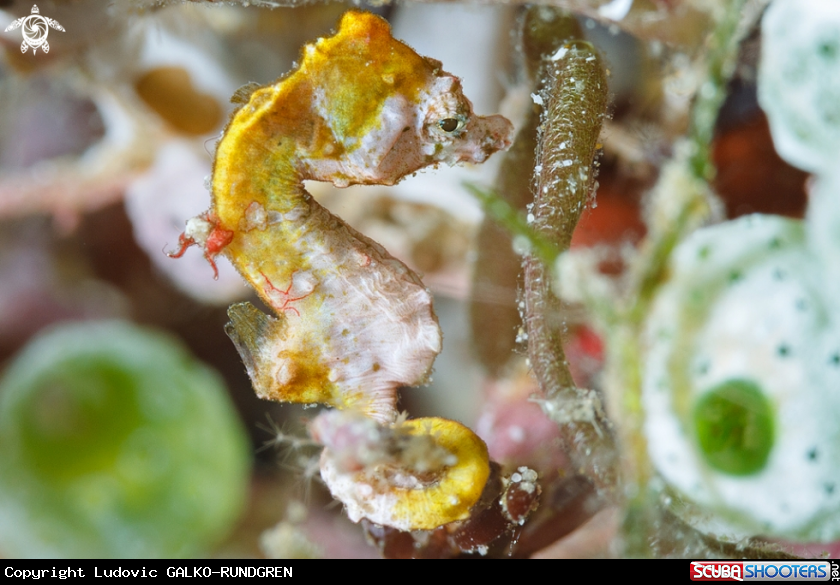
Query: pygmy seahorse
x=353 y=323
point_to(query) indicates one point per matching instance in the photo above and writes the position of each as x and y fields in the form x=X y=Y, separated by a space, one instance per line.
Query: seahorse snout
x=481 y=137
x=491 y=134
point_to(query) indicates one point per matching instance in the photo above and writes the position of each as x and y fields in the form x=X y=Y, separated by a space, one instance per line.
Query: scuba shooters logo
x=35 y=30
x=765 y=571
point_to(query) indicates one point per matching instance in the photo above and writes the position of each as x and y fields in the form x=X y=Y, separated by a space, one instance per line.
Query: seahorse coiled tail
x=352 y=322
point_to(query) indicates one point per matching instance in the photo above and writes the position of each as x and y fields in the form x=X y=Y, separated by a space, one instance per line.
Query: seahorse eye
x=449 y=124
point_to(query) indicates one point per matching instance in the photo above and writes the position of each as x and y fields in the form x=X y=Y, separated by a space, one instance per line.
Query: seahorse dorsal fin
x=243 y=94
x=248 y=329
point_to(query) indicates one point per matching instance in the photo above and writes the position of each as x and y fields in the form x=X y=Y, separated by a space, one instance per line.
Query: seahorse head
x=389 y=110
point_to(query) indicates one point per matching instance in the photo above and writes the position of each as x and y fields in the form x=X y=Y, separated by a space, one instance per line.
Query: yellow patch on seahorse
x=413 y=475
x=362 y=108
x=452 y=491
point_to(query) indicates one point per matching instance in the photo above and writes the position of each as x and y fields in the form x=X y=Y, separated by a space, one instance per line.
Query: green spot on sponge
x=734 y=427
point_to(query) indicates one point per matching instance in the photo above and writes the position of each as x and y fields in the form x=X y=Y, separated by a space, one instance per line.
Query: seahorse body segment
x=353 y=323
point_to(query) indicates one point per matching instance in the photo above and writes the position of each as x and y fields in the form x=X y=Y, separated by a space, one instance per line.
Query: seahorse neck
x=246 y=172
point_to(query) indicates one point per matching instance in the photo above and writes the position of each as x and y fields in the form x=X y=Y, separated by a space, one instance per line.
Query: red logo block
x=717 y=571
